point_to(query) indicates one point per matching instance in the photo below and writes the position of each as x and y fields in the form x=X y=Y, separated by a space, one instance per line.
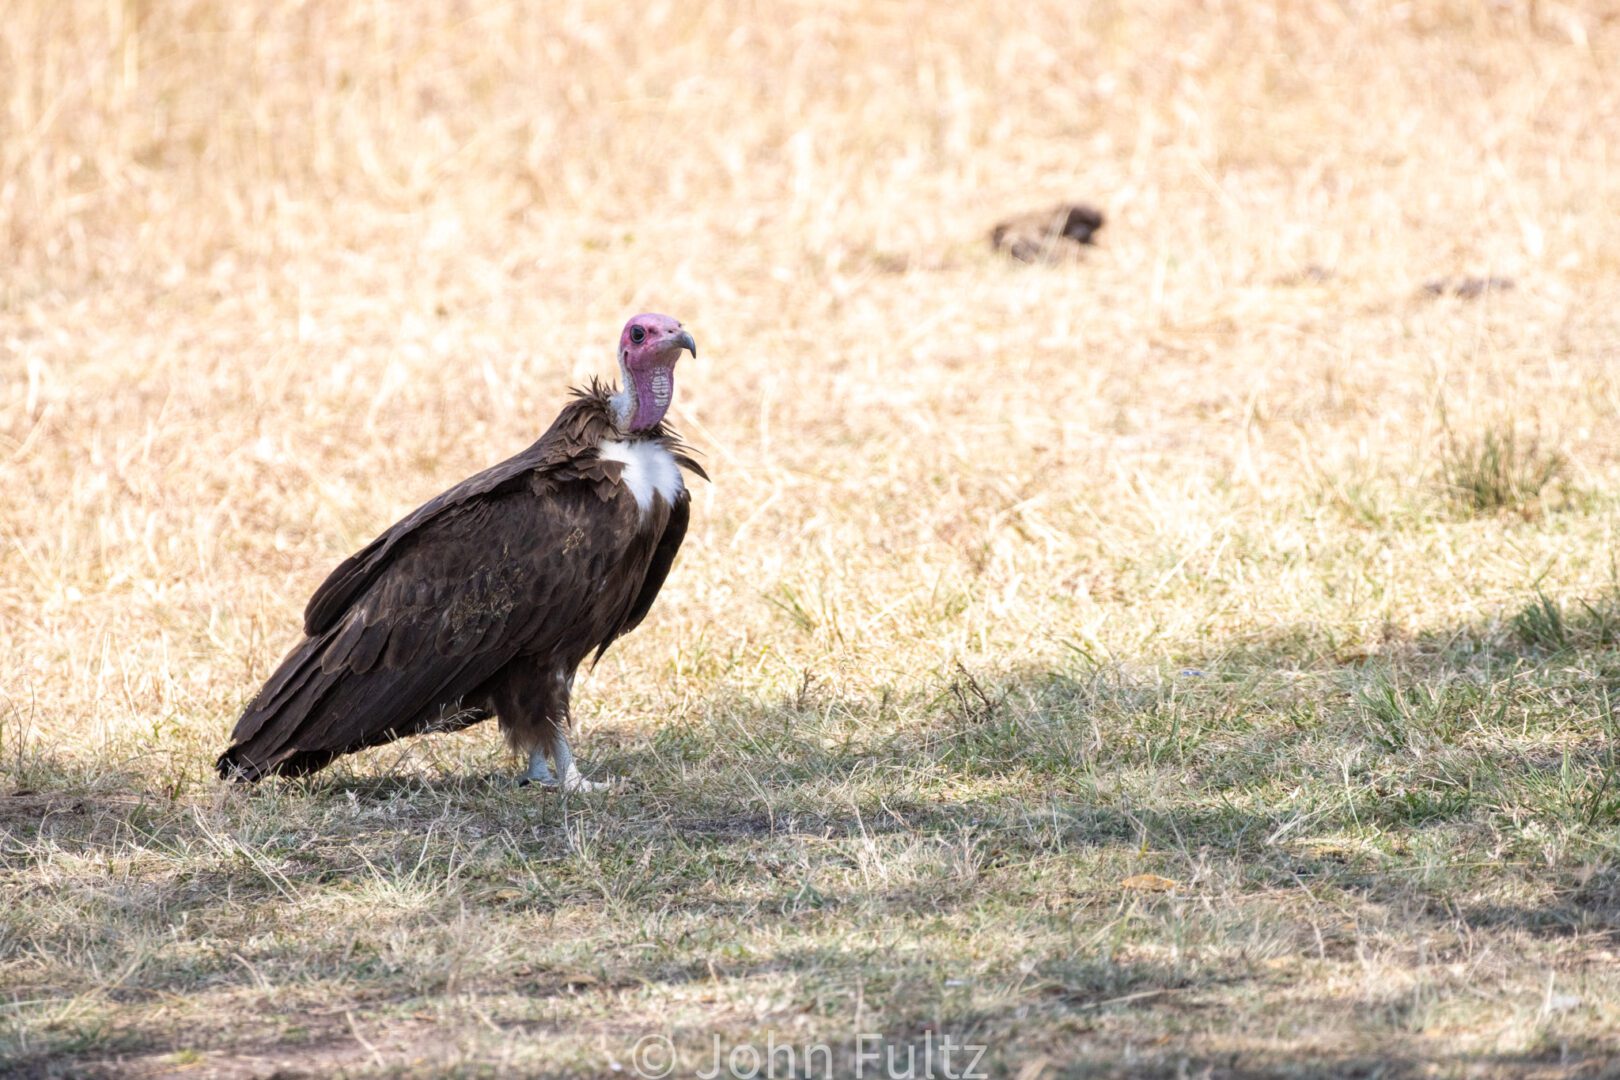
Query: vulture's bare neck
x=642 y=400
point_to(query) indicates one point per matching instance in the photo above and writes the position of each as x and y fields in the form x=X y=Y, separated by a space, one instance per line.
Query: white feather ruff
x=649 y=470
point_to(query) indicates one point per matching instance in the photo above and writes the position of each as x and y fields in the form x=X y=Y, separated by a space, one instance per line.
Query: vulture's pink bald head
x=648 y=349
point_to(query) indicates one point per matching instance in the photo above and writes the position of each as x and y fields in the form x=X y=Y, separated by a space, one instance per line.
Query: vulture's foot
x=541 y=774
x=576 y=782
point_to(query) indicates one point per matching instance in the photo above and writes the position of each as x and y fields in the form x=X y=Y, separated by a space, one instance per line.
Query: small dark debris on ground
x=1310 y=274
x=1467 y=288
x=1047 y=235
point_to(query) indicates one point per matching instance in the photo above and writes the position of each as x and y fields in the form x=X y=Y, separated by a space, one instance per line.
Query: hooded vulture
x=485 y=600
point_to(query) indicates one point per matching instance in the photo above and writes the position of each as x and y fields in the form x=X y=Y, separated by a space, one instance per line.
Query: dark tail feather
x=272 y=719
x=305 y=716
x=235 y=765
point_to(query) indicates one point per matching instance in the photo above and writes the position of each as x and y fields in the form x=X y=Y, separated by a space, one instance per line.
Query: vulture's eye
x=637 y=334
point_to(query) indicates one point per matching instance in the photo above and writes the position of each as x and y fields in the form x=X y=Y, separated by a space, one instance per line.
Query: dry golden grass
x=1014 y=582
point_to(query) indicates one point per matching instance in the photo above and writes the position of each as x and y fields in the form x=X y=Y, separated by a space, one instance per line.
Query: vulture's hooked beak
x=684 y=341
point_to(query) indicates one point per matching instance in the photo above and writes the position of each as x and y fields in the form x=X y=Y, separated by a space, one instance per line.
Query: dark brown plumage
x=482 y=601
x=1047 y=235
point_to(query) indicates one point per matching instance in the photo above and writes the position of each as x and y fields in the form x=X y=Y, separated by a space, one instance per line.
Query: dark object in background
x=1467 y=288
x=1047 y=235
x=1310 y=274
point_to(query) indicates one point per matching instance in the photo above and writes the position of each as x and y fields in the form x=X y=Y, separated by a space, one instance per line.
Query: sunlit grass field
x=1196 y=657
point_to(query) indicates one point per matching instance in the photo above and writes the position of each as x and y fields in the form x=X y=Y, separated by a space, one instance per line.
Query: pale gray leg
x=539 y=772
x=571 y=779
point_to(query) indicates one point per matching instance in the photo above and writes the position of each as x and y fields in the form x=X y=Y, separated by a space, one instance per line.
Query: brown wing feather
x=462 y=597
x=663 y=557
x=573 y=435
